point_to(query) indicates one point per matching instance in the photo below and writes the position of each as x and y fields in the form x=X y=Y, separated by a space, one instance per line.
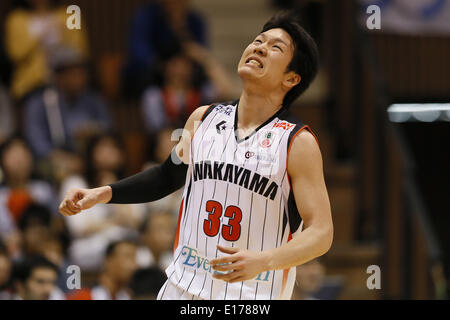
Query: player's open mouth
x=254 y=61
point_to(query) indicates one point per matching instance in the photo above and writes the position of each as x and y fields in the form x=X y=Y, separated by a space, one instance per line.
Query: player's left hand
x=240 y=265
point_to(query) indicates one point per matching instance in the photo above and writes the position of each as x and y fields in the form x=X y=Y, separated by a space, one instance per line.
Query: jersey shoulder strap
x=214 y=105
x=299 y=126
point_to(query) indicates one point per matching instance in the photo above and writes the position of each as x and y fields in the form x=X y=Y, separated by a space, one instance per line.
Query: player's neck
x=255 y=109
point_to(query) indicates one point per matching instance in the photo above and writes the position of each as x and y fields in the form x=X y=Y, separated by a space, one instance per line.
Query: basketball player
x=255 y=204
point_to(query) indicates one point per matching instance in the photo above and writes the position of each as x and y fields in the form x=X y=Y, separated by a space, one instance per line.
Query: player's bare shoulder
x=190 y=127
x=304 y=153
x=195 y=119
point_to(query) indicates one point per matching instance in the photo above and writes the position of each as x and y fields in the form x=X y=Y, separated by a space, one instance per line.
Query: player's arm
x=149 y=185
x=308 y=184
x=305 y=169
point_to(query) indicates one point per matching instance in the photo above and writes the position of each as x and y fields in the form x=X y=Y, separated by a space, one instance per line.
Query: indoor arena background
x=377 y=107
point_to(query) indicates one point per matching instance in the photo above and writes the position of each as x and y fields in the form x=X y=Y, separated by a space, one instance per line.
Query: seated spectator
x=19 y=188
x=181 y=93
x=5 y=273
x=5 y=63
x=146 y=283
x=62 y=116
x=162 y=147
x=53 y=247
x=313 y=284
x=7 y=120
x=157 y=237
x=157 y=29
x=105 y=159
x=163 y=143
x=33 y=30
x=119 y=265
x=309 y=279
x=92 y=230
x=40 y=237
x=34 y=278
x=34 y=225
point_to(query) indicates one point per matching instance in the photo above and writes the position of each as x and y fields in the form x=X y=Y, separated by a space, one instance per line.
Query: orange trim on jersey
x=290 y=145
x=177 y=235
x=205 y=111
x=285 y=271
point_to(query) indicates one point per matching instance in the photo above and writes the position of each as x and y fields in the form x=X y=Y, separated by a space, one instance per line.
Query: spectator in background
x=181 y=93
x=309 y=12
x=34 y=225
x=162 y=147
x=33 y=30
x=58 y=120
x=5 y=63
x=40 y=237
x=5 y=273
x=312 y=284
x=157 y=237
x=146 y=283
x=53 y=247
x=105 y=160
x=7 y=120
x=163 y=144
x=158 y=29
x=119 y=265
x=19 y=189
x=309 y=279
x=57 y=116
x=93 y=230
x=34 y=278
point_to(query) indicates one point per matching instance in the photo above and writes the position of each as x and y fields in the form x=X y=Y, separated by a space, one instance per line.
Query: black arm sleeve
x=152 y=184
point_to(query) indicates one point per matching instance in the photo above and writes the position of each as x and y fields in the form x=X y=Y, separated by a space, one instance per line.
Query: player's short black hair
x=305 y=60
x=23 y=269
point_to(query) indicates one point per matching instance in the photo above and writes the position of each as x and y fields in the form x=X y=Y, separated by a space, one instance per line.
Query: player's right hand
x=77 y=200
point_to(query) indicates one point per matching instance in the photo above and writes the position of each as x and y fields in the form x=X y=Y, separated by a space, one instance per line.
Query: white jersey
x=237 y=194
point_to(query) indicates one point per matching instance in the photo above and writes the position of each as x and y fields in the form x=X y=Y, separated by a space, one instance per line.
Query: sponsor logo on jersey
x=265 y=157
x=262 y=157
x=190 y=257
x=224 y=109
x=249 y=154
x=266 y=142
x=221 y=126
x=283 y=124
x=235 y=174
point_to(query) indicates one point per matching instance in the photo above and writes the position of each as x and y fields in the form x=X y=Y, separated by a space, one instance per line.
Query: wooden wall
x=414 y=67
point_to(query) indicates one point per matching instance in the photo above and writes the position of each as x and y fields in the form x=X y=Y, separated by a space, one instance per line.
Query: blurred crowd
x=57 y=132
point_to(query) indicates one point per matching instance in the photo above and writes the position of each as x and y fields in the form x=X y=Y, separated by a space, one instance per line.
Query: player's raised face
x=267 y=58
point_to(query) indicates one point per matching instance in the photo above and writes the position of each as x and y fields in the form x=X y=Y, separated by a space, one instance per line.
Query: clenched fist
x=77 y=200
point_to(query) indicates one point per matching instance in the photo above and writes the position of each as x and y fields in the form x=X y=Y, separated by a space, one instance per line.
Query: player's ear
x=291 y=79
